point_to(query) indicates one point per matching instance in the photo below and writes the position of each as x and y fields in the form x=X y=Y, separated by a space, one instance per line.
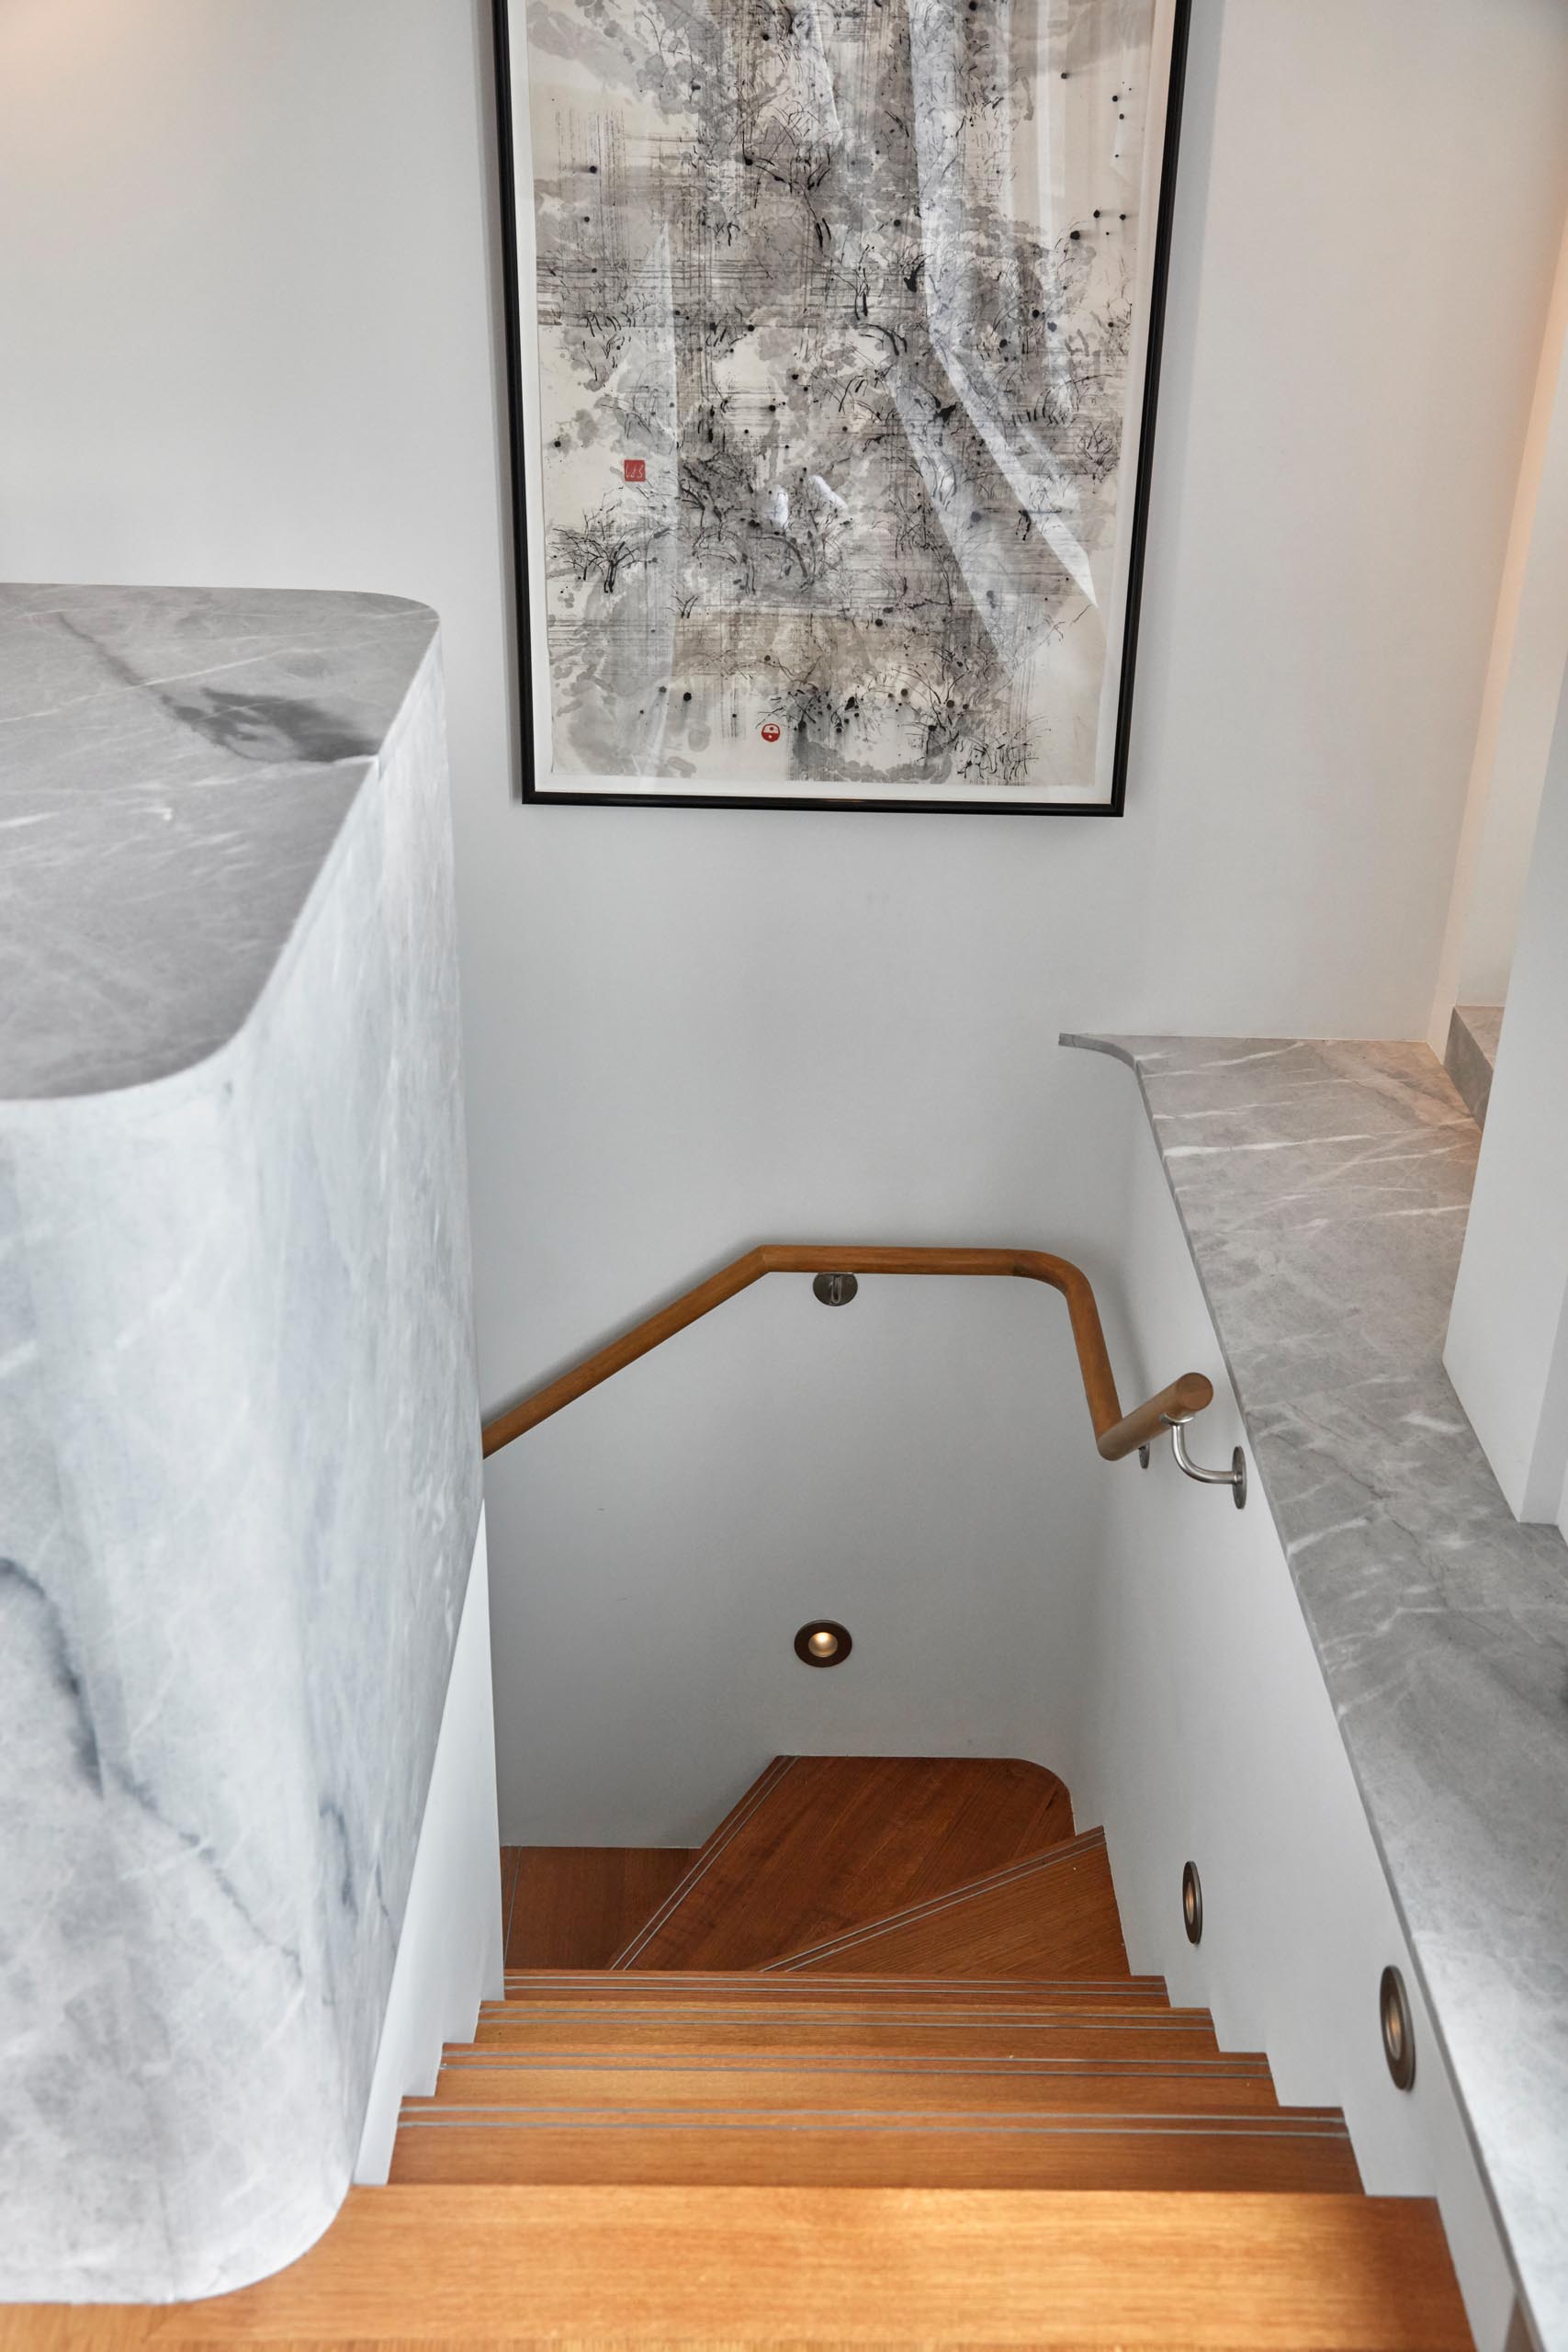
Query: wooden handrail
x=1116 y=1434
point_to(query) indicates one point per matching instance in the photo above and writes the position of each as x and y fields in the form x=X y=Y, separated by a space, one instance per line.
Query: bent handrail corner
x=1116 y=1434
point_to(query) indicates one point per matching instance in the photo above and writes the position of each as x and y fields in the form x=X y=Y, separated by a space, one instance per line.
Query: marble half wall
x=238 y=1426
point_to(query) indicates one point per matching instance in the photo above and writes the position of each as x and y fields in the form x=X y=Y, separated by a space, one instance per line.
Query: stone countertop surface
x=1324 y=1190
x=175 y=767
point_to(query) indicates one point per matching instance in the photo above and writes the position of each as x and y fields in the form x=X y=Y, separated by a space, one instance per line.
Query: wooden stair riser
x=1218 y=2154
x=1055 y=1913
x=820 y=1844
x=574 y=1907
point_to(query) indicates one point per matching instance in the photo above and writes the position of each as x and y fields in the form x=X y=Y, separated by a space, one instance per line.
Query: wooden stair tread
x=820 y=1843
x=705 y=1989
x=1053 y=1913
x=659 y=2267
x=1173 y=2036
x=999 y=2085
x=730 y=2147
x=574 y=1907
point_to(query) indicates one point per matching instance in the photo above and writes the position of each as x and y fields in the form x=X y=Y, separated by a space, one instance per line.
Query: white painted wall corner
x=449 y=1955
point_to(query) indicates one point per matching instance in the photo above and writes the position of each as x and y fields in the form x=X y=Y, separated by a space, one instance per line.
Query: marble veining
x=238 y=1410
x=1324 y=1190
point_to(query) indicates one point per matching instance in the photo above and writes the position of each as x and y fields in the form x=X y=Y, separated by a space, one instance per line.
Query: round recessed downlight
x=822 y=1643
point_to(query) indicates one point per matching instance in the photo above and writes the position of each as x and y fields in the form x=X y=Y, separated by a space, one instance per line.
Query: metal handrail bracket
x=1234 y=1478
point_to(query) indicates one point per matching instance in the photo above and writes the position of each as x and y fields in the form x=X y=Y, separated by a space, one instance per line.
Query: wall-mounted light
x=1398 y=2029
x=1192 y=1903
x=822 y=1643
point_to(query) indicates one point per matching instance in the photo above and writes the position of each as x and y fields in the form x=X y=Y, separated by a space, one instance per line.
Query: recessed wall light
x=822 y=1643
x=1398 y=2029
x=1192 y=1903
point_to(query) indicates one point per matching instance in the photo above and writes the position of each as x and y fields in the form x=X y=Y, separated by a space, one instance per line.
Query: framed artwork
x=833 y=340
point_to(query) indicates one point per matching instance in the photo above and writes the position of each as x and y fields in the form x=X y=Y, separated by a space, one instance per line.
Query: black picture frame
x=528 y=789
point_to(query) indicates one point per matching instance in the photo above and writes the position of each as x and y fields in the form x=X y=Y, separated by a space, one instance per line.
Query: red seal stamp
x=769 y=731
x=634 y=468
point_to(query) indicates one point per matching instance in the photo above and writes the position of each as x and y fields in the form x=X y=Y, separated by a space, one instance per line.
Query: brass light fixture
x=1192 y=1903
x=822 y=1643
x=1398 y=2029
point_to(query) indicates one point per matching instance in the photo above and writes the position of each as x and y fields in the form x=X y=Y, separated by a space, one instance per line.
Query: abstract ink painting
x=834 y=338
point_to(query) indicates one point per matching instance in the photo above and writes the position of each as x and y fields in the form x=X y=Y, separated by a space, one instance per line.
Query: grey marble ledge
x=1324 y=1190
x=174 y=766
x=238 y=1418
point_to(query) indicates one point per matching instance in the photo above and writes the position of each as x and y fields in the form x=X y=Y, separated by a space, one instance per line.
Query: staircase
x=870 y=2069
x=908 y=1975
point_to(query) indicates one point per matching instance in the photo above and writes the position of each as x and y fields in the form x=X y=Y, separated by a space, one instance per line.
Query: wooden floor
x=662 y=2268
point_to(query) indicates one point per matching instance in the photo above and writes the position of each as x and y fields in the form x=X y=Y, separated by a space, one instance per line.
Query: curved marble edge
x=194 y=1077
x=226 y=1774
x=1324 y=1207
x=180 y=765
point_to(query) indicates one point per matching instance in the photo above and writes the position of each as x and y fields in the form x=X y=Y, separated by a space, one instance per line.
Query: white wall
x=251 y=337
x=451 y=1950
x=1519 y=707
x=1507 y=1345
x=918 y=1466
x=728 y=1027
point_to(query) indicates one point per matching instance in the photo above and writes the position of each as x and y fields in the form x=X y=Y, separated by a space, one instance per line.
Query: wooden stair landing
x=820 y=1844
